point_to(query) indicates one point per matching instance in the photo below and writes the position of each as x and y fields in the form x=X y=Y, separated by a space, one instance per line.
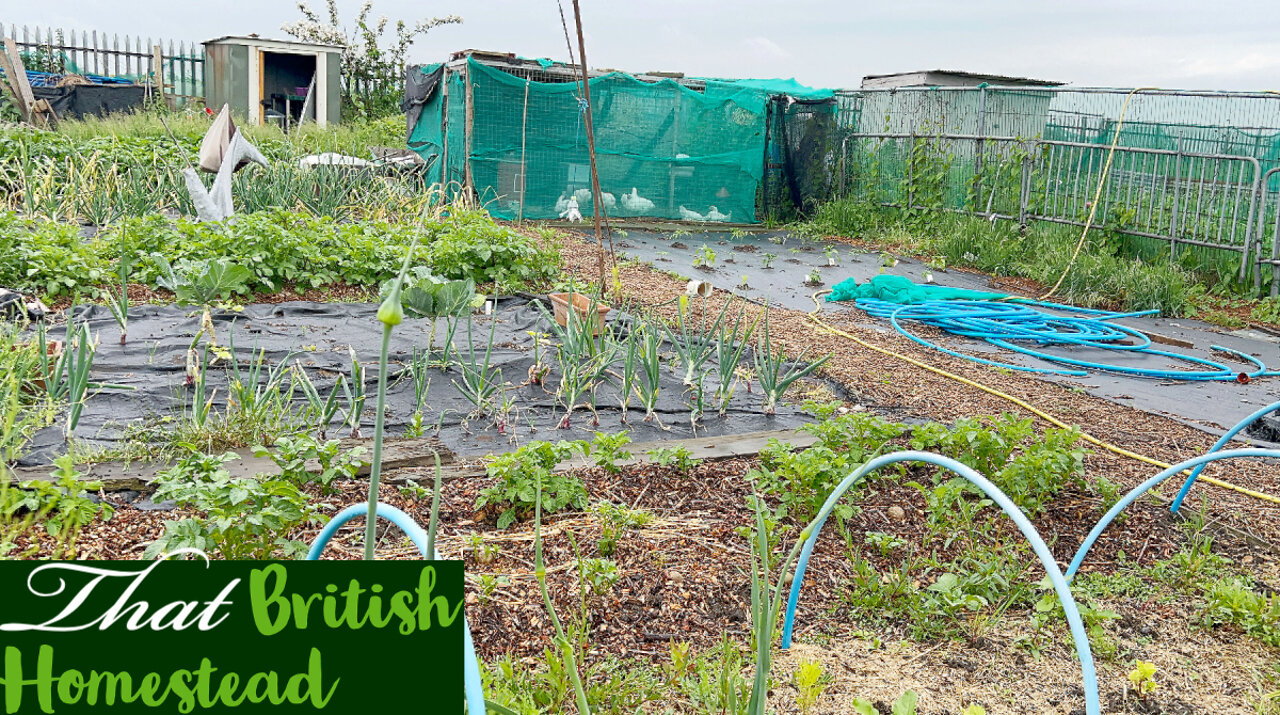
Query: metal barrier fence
x=1040 y=153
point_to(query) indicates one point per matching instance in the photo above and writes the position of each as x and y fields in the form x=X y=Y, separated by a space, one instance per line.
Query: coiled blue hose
x=1024 y=525
x=1222 y=442
x=472 y=684
x=1012 y=324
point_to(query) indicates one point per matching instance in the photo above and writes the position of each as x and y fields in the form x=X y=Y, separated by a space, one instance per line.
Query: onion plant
x=354 y=391
x=773 y=371
x=630 y=367
x=320 y=411
x=259 y=393
x=729 y=350
x=481 y=381
x=78 y=354
x=119 y=304
x=694 y=345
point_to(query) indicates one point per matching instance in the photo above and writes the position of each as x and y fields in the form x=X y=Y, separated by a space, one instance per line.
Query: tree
x=373 y=74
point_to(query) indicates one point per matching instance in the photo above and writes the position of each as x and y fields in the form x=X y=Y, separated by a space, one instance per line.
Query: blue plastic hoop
x=1222 y=442
x=470 y=666
x=1060 y=585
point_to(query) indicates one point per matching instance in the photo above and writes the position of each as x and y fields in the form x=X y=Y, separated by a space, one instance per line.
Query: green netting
x=767 y=87
x=427 y=137
x=455 y=112
x=896 y=289
x=679 y=151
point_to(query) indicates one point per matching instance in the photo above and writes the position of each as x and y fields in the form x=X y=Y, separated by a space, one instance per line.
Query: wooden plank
x=11 y=77
x=18 y=77
x=732 y=446
x=747 y=444
x=398 y=453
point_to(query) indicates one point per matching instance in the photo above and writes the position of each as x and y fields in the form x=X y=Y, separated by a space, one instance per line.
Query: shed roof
x=254 y=40
x=952 y=78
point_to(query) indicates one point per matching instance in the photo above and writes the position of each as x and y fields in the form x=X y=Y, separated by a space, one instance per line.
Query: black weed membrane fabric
x=319 y=337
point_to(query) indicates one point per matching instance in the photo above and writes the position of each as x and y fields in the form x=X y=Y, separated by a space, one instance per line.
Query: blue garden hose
x=470 y=666
x=1037 y=544
x=1222 y=442
x=1011 y=324
x=1142 y=488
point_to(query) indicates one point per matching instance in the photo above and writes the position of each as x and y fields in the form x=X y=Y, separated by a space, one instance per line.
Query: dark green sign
x=230 y=636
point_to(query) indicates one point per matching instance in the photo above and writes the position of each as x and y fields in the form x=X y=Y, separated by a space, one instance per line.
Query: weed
x=810 y=681
x=1230 y=600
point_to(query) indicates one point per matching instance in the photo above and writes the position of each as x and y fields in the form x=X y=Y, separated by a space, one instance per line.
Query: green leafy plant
x=201 y=284
x=292 y=455
x=246 y=518
x=527 y=472
x=705 y=258
x=1143 y=678
x=678 y=458
x=616 y=520
x=600 y=575
x=483 y=551
x=607 y=450
x=487 y=585
x=767 y=259
x=62 y=503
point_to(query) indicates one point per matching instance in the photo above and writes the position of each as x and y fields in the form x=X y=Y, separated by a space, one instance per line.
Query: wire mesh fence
x=1189 y=168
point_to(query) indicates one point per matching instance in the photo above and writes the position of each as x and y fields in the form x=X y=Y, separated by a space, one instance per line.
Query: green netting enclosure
x=514 y=132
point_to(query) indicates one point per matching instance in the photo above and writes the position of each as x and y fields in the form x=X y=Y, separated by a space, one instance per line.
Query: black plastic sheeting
x=1212 y=406
x=91 y=100
x=317 y=336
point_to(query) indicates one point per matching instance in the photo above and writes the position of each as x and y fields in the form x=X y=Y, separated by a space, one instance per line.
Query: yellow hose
x=1023 y=404
x=1097 y=195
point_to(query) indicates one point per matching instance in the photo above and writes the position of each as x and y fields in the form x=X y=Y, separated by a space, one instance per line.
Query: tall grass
x=1112 y=272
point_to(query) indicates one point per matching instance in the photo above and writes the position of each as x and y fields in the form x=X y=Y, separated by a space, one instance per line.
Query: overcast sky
x=833 y=43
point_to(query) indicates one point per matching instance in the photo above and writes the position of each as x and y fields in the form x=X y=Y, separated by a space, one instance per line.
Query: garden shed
x=274 y=80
